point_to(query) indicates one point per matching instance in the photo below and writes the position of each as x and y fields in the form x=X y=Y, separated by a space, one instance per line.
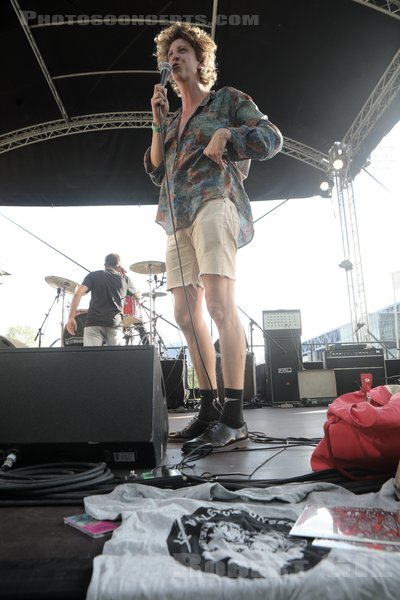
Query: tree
x=22 y=333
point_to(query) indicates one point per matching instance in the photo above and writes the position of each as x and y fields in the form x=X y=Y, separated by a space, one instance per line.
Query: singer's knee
x=182 y=319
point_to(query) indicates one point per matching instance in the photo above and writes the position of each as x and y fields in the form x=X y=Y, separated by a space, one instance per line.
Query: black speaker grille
x=108 y=400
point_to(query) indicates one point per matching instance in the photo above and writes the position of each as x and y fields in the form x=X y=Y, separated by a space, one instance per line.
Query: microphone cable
x=55 y=483
x=44 y=242
x=172 y=216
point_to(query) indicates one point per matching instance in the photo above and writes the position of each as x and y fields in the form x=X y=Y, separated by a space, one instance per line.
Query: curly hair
x=203 y=45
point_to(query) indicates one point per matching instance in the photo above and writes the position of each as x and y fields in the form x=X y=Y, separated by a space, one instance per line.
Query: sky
x=291 y=264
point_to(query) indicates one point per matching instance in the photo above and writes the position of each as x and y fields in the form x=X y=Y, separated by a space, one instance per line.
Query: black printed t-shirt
x=108 y=290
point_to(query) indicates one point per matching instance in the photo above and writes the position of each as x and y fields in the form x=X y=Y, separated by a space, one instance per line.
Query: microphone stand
x=265 y=334
x=39 y=331
x=384 y=346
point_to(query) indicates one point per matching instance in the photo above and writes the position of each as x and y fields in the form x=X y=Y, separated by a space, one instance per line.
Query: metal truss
x=39 y=58
x=305 y=153
x=384 y=93
x=81 y=124
x=389 y=7
x=126 y=120
x=352 y=262
x=50 y=80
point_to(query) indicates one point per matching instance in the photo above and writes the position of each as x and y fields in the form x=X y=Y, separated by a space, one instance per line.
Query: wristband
x=156 y=128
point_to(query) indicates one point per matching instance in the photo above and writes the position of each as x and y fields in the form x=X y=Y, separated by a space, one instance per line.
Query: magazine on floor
x=349 y=523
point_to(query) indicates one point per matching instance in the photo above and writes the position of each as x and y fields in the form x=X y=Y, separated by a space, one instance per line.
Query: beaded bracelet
x=156 y=128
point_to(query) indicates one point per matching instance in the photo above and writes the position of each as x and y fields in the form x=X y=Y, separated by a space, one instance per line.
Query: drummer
x=108 y=287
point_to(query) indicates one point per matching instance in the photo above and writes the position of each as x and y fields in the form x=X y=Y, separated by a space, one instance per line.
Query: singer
x=209 y=143
x=103 y=326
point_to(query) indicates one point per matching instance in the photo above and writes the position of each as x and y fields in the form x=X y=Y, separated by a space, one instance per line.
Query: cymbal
x=61 y=282
x=154 y=294
x=147 y=267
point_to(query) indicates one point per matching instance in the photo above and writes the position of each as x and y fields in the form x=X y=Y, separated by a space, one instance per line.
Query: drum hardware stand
x=150 y=268
x=62 y=312
x=153 y=336
x=40 y=330
x=63 y=286
x=129 y=334
x=152 y=298
x=162 y=349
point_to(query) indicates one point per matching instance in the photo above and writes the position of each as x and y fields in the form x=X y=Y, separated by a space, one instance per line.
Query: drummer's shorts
x=207 y=247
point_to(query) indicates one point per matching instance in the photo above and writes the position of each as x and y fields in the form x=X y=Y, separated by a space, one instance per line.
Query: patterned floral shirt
x=193 y=178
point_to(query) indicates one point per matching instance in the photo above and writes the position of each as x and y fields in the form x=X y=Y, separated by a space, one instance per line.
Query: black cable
x=55 y=483
x=261 y=438
x=270 y=211
x=172 y=216
x=372 y=483
x=43 y=242
x=10 y=460
x=267 y=460
x=377 y=180
x=272 y=443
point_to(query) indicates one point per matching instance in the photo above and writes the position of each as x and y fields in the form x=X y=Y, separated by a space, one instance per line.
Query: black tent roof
x=73 y=133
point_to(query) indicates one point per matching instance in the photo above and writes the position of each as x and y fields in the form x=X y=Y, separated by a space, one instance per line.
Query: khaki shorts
x=207 y=247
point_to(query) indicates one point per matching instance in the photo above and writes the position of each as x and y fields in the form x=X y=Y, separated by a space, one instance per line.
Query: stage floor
x=42 y=558
x=269 y=461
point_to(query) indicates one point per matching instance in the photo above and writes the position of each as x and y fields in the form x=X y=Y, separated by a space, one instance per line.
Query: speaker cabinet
x=349 y=380
x=349 y=362
x=314 y=365
x=261 y=381
x=8 y=342
x=392 y=370
x=84 y=404
x=283 y=360
x=175 y=381
x=317 y=384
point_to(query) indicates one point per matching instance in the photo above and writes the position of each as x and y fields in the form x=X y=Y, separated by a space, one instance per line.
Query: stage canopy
x=77 y=77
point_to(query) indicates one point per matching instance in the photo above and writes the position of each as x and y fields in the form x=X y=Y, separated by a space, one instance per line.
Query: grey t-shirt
x=208 y=542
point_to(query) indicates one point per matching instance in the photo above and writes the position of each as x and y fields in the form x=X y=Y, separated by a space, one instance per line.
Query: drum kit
x=63 y=286
x=151 y=268
x=132 y=319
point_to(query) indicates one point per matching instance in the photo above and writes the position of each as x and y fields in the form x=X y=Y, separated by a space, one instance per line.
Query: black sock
x=208 y=411
x=232 y=413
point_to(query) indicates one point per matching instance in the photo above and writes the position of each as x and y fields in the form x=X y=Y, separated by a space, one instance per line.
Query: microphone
x=58 y=293
x=164 y=72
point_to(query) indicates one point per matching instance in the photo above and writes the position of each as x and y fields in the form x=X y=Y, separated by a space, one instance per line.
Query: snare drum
x=131 y=312
x=77 y=338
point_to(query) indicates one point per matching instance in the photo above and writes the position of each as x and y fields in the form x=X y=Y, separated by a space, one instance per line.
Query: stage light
x=338 y=164
x=346 y=264
x=326 y=184
x=338 y=155
x=326 y=193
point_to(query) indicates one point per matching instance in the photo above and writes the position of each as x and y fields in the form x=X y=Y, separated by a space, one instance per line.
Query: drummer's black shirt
x=108 y=289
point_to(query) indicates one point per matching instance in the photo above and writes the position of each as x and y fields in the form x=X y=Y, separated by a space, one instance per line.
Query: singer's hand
x=121 y=270
x=159 y=103
x=216 y=146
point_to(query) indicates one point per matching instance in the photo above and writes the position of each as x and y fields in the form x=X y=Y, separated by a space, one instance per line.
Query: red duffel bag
x=362 y=431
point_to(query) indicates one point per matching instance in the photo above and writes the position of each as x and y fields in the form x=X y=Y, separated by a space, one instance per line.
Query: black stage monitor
x=84 y=404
